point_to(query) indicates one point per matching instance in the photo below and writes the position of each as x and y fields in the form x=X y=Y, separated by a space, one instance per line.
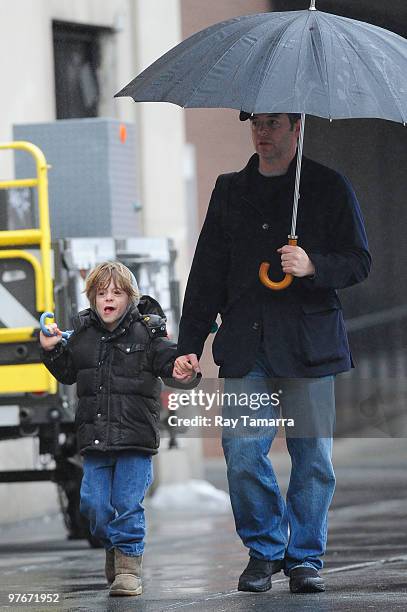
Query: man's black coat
x=302 y=327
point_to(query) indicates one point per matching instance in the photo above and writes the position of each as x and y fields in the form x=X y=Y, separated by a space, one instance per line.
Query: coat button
x=103 y=338
x=96 y=442
x=127 y=350
x=98 y=415
x=256 y=325
x=265 y=226
x=101 y=387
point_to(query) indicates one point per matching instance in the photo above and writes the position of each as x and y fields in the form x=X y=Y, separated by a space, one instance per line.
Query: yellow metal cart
x=23 y=376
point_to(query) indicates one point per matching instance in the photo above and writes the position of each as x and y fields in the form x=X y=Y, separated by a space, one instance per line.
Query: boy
x=115 y=356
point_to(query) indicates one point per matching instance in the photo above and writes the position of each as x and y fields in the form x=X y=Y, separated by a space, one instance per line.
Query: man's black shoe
x=306 y=580
x=257 y=575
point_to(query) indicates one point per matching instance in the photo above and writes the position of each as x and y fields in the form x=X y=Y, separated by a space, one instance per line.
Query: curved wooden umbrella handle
x=280 y=285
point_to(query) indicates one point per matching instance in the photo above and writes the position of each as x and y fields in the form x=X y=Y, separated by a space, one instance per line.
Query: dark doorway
x=76 y=62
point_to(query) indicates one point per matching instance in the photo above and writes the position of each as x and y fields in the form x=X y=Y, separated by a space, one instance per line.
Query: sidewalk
x=193 y=560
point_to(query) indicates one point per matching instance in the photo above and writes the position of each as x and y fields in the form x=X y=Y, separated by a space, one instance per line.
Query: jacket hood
x=148 y=305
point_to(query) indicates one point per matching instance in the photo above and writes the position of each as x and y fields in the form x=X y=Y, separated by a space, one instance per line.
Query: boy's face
x=111 y=304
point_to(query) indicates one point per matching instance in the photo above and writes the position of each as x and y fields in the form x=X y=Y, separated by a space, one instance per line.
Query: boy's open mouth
x=108 y=309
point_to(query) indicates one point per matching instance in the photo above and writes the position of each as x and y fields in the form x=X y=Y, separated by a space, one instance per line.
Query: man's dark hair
x=293 y=118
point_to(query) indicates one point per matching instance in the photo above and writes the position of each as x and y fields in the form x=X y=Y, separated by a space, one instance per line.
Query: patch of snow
x=190 y=495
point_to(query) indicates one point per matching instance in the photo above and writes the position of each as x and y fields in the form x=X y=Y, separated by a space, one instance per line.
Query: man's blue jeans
x=272 y=528
x=112 y=491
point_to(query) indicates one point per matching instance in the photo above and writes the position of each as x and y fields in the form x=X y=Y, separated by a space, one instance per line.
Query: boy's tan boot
x=128 y=575
x=109 y=566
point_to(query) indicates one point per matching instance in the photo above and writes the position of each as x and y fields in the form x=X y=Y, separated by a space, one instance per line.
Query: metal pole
x=298 y=176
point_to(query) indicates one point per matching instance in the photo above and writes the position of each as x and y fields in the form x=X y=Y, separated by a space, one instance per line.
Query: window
x=76 y=62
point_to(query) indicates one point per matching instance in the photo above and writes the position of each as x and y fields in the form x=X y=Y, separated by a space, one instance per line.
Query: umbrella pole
x=300 y=148
x=292 y=238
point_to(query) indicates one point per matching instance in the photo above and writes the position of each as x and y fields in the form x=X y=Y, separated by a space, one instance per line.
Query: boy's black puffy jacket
x=117 y=379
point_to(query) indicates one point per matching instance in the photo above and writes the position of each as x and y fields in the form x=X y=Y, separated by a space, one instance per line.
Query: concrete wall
x=162 y=133
x=26 y=40
x=141 y=31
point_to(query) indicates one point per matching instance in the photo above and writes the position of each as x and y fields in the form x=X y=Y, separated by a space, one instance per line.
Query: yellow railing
x=26 y=378
x=39 y=277
x=36 y=236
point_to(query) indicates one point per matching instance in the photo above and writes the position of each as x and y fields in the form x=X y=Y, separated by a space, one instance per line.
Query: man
x=295 y=336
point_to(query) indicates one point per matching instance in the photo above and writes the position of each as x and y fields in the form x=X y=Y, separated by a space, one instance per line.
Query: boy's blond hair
x=100 y=277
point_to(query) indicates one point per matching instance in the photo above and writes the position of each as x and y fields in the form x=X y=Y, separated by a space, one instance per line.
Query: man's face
x=273 y=137
x=111 y=304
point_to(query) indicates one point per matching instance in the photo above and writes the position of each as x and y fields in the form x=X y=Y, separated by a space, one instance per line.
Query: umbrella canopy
x=293 y=62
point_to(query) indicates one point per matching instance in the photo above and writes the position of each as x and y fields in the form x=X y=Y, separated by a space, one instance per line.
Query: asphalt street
x=193 y=558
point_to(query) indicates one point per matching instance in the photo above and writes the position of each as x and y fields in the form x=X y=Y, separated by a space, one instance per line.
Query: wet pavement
x=193 y=559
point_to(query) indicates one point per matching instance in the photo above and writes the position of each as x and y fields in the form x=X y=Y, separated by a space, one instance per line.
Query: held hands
x=49 y=342
x=186 y=368
x=295 y=261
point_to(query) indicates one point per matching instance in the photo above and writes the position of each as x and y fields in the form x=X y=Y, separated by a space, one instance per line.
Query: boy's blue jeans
x=272 y=528
x=112 y=491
